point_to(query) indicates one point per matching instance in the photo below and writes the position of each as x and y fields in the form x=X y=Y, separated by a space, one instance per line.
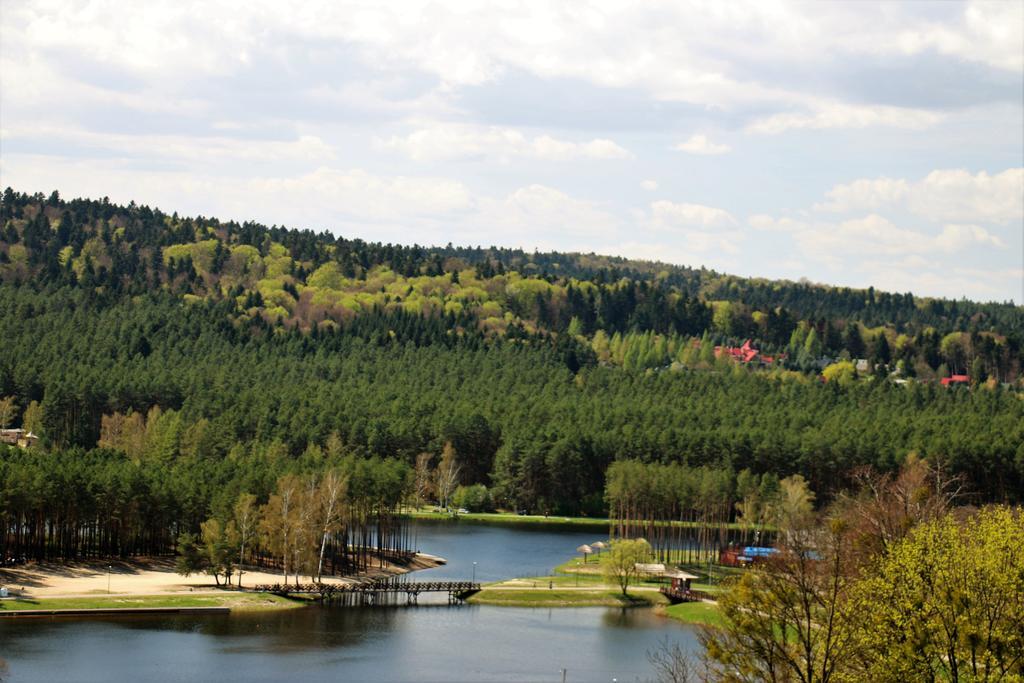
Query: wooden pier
x=374 y=592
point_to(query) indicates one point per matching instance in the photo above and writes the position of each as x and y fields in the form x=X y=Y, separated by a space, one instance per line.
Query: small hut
x=679 y=589
x=680 y=580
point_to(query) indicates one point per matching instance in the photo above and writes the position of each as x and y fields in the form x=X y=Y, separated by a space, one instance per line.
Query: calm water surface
x=429 y=642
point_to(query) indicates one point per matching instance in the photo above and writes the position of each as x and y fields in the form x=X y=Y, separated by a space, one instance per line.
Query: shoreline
x=575 y=584
x=153 y=583
x=512 y=519
x=509 y=519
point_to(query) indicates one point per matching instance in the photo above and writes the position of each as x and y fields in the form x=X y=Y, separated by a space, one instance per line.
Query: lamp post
x=109 y=567
x=474 y=572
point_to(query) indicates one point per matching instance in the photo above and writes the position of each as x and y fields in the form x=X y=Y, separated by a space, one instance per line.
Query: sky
x=852 y=144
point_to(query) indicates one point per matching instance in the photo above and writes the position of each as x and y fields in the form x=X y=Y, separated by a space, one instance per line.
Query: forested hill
x=218 y=356
x=302 y=278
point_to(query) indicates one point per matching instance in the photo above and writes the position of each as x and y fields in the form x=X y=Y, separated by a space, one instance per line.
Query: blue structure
x=752 y=553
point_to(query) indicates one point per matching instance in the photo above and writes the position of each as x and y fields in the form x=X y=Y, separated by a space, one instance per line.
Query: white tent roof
x=660 y=570
x=680 y=574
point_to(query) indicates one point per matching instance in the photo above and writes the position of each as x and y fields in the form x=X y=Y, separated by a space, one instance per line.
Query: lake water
x=428 y=642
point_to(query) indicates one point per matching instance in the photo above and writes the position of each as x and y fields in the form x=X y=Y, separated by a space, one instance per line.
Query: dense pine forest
x=170 y=365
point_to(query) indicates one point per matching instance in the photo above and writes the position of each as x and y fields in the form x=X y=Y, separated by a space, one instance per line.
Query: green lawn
x=695 y=613
x=543 y=597
x=237 y=602
x=575 y=574
x=592 y=570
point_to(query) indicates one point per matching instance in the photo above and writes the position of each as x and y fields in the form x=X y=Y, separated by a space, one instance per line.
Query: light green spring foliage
x=620 y=565
x=843 y=373
x=325 y=293
x=475 y=498
x=787 y=619
x=947 y=603
x=201 y=254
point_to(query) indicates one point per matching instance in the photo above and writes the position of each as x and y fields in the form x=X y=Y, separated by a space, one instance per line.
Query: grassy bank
x=235 y=601
x=703 y=613
x=599 y=596
x=708 y=580
x=579 y=584
x=596 y=523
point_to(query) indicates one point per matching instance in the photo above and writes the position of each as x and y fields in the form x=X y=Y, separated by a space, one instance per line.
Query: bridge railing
x=682 y=595
x=368 y=587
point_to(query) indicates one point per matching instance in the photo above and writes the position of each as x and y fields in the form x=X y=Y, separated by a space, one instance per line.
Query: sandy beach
x=150 y=576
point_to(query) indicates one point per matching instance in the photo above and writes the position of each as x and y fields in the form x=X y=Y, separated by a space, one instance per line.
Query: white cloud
x=956 y=195
x=538 y=213
x=766 y=223
x=989 y=32
x=693 y=51
x=699 y=144
x=196 y=149
x=668 y=215
x=865 y=194
x=649 y=185
x=445 y=142
x=955 y=237
x=933 y=278
x=839 y=115
x=358 y=194
x=942 y=196
x=875 y=236
x=703 y=229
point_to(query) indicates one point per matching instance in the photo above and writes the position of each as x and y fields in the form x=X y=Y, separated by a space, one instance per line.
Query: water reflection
x=393 y=643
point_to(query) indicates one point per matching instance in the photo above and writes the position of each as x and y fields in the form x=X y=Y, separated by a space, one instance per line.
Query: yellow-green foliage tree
x=8 y=409
x=842 y=373
x=620 y=564
x=947 y=603
x=32 y=420
x=788 y=620
x=219 y=541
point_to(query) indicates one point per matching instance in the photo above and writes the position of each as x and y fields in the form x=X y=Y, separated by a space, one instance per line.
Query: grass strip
x=237 y=602
x=543 y=597
x=703 y=613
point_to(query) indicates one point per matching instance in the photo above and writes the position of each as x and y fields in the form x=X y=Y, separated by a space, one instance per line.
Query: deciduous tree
x=620 y=563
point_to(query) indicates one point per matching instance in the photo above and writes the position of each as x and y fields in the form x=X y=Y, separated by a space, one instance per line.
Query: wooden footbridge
x=374 y=592
x=677 y=595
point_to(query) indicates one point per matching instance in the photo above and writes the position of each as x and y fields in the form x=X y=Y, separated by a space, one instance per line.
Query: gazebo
x=679 y=589
x=680 y=580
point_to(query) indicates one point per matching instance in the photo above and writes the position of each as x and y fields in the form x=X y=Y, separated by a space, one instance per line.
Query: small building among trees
x=18 y=437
